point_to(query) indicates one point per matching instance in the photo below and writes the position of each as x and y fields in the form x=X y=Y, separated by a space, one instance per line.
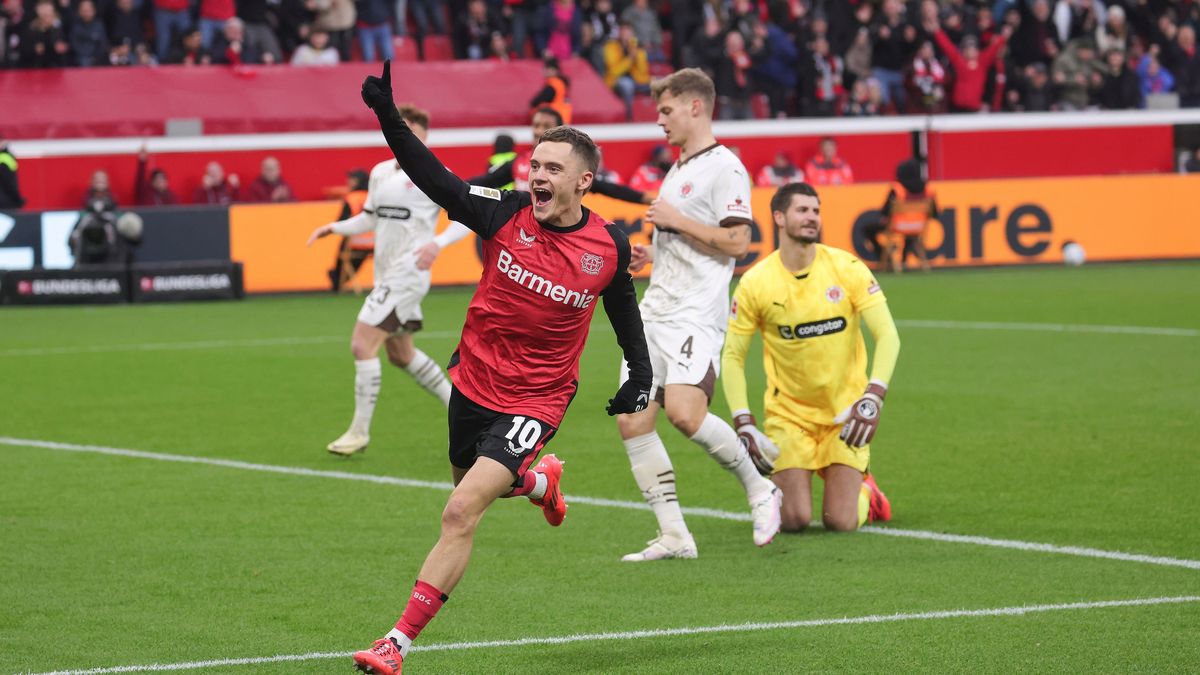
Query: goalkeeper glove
x=630 y=398
x=861 y=419
x=762 y=451
x=377 y=91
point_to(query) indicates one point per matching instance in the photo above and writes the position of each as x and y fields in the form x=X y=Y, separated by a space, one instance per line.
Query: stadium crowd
x=768 y=57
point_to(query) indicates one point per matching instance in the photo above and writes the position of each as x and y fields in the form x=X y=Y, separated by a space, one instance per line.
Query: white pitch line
x=660 y=633
x=1049 y=327
x=703 y=512
x=324 y=339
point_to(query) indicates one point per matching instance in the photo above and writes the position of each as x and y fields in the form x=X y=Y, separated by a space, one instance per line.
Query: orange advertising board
x=998 y=222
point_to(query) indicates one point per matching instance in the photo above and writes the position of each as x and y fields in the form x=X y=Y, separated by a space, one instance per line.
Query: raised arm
x=484 y=210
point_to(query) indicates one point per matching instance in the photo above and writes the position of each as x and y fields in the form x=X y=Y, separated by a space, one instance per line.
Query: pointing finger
x=387 y=72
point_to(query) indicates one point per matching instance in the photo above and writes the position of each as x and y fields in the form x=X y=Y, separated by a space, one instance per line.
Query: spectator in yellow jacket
x=626 y=67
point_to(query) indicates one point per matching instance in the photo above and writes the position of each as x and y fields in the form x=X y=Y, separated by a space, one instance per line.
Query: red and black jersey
x=528 y=320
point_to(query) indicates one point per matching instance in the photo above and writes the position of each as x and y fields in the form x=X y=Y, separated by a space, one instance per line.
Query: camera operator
x=99 y=238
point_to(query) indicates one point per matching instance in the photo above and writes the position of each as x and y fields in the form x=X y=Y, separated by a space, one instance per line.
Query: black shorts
x=476 y=431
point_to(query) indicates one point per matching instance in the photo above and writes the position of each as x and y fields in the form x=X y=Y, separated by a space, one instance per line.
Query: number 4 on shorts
x=686 y=349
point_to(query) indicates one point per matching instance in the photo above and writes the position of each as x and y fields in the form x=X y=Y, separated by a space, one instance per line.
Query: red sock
x=422 y=607
x=528 y=482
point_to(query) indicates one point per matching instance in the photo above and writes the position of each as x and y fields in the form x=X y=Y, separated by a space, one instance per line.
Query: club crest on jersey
x=733 y=309
x=686 y=190
x=834 y=294
x=526 y=239
x=591 y=263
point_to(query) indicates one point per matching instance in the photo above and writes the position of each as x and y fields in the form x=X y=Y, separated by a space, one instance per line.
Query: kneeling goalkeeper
x=809 y=301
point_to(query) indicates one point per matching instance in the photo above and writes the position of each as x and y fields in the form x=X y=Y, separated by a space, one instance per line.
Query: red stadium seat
x=760 y=107
x=644 y=109
x=661 y=69
x=405 y=48
x=438 y=48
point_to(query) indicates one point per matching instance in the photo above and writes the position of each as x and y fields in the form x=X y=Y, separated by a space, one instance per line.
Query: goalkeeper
x=808 y=300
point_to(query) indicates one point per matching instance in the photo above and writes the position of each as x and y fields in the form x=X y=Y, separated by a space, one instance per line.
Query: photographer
x=100 y=238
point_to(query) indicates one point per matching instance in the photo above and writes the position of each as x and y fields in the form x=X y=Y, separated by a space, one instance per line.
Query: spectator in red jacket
x=156 y=192
x=970 y=66
x=779 y=172
x=213 y=15
x=649 y=176
x=826 y=168
x=270 y=186
x=215 y=188
x=171 y=21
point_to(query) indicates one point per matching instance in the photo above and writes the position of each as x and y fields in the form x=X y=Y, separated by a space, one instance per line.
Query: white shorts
x=395 y=310
x=681 y=354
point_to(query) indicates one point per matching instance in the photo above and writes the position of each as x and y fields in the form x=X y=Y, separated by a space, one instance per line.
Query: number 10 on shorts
x=525 y=432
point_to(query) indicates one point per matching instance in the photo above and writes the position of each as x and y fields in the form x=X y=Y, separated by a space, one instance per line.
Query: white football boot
x=764 y=513
x=663 y=547
x=349 y=443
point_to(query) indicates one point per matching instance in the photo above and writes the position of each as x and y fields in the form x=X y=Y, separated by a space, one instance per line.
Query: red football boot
x=554 y=507
x=881 y=508
x=382 y=659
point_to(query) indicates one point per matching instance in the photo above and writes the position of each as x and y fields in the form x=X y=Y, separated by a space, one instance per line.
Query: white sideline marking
x=600 y=501
x=1049 y=327
x=657 y=633
x=1034 y=546
x=324 y=339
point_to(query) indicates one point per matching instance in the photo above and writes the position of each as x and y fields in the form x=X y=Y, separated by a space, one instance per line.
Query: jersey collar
x=698 y=153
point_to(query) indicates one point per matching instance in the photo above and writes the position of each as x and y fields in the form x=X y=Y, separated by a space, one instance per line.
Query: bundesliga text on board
x=49 y=287
x=173 y=283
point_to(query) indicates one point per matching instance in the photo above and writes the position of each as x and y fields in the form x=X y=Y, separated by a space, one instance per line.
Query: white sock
x=539 y=486
x=367 y=376
x=721 y=442
x=402 y=641
x=656 y=479
x=429 y=375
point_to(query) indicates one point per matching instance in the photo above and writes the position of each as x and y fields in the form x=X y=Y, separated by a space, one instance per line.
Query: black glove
x=377 y=91
x=630 y=398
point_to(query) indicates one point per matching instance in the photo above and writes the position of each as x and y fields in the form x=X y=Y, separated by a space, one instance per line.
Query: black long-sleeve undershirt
x=621 y=306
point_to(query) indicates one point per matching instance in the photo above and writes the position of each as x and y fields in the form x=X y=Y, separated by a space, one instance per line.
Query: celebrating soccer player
x=403 y=219
x=701 y=225
x=547 y=260
x=809 y=301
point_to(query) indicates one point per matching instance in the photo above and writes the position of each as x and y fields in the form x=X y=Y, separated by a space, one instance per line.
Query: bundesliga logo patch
x=738 y=206
x=591 y=263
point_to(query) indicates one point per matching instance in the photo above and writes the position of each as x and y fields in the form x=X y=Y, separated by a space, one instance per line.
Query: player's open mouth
x=542 y=196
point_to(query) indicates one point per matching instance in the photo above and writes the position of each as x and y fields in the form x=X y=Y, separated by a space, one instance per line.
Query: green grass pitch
x=1007 y=419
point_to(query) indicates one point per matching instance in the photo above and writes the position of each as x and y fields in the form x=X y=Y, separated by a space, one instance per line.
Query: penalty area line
x=1017 y=611
x=702 y=512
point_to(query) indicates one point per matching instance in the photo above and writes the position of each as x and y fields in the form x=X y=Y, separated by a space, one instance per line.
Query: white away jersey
x=687 y=284
x=405 y=220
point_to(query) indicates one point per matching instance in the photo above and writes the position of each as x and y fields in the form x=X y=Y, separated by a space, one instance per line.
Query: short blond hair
x=414 y=115
x=687 y=81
